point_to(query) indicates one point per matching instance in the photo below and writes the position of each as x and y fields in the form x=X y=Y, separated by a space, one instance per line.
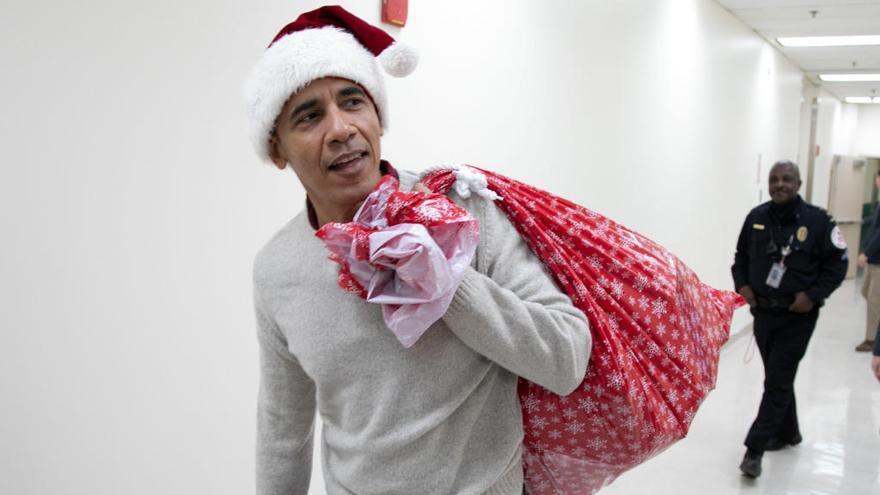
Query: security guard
x=789 y=258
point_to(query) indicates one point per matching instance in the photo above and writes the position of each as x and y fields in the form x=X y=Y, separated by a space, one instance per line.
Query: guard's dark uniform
x=816 y=265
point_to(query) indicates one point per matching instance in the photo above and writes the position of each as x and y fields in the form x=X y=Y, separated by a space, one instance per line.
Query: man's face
x=784 y=183
x=329 y=134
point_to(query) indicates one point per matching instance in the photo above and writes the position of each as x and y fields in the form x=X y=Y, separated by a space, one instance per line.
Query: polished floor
x=839 y=411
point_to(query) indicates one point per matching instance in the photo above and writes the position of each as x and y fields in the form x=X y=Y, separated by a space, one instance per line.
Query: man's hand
x=802 y=303
x=875 y=366
x=749 y=295
x=863 y=260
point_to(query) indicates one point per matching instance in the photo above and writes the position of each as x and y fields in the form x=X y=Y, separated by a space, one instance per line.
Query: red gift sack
x=657 y=332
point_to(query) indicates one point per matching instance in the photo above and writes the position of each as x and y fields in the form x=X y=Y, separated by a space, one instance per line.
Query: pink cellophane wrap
x=406 y=251
x=657 y=332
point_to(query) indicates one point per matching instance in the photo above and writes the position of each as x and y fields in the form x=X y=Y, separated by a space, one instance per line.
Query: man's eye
x=354 y=102
x=308 y=117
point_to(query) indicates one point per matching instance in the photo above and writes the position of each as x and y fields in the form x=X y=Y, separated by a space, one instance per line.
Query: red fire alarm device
x=394 y=12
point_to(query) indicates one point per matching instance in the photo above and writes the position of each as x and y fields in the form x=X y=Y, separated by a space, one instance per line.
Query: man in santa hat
x=441 y=416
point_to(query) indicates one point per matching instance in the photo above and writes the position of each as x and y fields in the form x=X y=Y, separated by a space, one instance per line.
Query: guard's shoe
x=866 y=346
x=751 y=464
x=777 y=444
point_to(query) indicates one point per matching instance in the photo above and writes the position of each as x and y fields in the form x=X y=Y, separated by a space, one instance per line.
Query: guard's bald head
x=787 y=166
x=785 y=180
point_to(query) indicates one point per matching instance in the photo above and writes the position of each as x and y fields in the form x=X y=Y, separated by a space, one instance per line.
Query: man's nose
x=340 y=127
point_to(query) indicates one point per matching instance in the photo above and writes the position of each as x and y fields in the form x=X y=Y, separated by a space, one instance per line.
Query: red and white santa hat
x=326 y=42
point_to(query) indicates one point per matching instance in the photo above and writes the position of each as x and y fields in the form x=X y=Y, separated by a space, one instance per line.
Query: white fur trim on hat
x=297 y=59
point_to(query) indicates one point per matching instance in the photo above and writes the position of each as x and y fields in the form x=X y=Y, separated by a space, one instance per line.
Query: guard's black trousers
x=782 y=339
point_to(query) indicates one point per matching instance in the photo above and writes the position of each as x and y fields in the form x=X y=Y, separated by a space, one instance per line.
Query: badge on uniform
x=837 y=238
x=777 y=271
x=802 y=234
x=774 y=278
x=758 y=226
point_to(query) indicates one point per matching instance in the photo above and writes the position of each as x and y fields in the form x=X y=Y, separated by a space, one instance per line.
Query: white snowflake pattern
x=617 y=289
x=531 y=403
x=600 y=230
x=615 y=380
x=588 y=405
x=538 y=422
x=658 y=307
x=596 y=443
x=613 y=322
x=683 y=353
x=574 y=427
x=660 y=330
x=581 y=292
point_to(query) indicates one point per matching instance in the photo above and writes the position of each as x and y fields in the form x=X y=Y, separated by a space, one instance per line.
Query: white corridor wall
x=836 y=127
x=132 y=204
x=867 y=138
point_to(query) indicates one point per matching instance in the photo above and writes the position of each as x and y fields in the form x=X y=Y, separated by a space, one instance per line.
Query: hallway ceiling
x=777 y=18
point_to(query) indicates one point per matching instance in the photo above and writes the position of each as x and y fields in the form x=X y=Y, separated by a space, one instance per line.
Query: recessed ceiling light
x=863 y=77
x=862 y=99
x=804 y=41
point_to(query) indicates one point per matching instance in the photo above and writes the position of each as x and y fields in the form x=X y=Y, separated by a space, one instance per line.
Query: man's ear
x=275 y=155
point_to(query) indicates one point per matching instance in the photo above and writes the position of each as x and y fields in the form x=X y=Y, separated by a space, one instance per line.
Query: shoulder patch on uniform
x=758 y=226
x=837 y=238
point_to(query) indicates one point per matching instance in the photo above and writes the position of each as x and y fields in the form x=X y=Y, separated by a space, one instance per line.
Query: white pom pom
x=399 y=60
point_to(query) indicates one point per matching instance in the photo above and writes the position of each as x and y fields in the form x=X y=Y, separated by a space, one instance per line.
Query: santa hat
x=326 y=42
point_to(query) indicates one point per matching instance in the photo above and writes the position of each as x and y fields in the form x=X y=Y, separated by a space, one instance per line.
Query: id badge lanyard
x=777 y=271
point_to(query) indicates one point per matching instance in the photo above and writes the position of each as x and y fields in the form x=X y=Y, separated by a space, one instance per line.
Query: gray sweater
x=441 y=417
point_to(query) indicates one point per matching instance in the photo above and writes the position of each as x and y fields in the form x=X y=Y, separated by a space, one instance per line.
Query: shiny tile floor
x=839 y=411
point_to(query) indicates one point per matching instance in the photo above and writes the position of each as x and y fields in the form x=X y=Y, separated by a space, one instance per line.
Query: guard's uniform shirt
x=817 y=261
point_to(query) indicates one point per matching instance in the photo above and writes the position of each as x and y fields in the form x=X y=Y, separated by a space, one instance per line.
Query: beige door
x=845 y=202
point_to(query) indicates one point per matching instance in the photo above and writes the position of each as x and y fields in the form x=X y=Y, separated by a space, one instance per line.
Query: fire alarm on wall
x=394 y=12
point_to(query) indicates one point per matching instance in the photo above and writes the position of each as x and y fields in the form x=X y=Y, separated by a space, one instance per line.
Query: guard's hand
x=875 y=366
x=802 y=303
x=863 y=260
x=419 y=187
x=749 y=295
